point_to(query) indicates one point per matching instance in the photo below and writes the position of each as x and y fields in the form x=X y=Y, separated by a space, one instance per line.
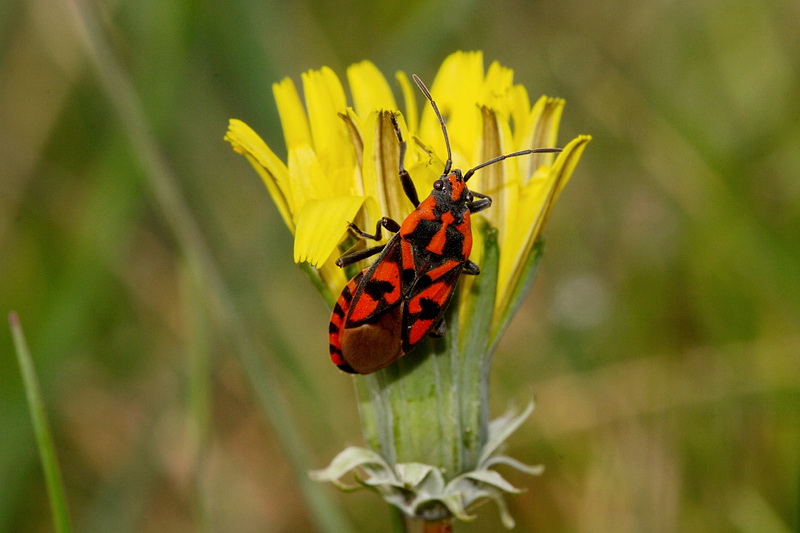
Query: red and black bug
x=389 y=307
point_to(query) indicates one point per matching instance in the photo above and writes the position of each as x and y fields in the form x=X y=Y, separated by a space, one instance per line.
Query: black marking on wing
x=376 y=289
x=430 y=309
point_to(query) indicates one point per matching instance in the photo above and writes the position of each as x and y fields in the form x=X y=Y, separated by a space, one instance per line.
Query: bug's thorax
x=439 y=229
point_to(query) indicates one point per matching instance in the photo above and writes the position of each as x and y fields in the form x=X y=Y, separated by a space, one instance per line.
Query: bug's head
x=453 y=186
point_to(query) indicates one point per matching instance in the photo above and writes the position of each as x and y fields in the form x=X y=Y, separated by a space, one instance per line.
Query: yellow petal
x=305 y=174
x=355 y=128
x=273 y=172
x=460 y=78
x=369 y=88
x=496 y=88
x=320 y=226
x=423 y=173
x=293 y=117
x=520 y=109
x=536 y=202
x=456 y=89
x=542 y=128
x=522 y=231
x=410 y=101
x=382 y=165
x=309 y=181
x=493 y=179
x=565 y=165
x=325 y=100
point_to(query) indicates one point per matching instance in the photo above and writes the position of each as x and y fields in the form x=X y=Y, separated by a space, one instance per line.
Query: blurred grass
x=661 y=339
x=44 y=438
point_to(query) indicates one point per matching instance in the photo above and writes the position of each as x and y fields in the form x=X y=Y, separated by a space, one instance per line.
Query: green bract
x=421 y=490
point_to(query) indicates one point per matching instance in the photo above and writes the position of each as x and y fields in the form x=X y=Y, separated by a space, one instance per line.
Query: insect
x=391 y=306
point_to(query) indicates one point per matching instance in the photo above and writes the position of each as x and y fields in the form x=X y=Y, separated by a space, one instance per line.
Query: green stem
x=397 y=520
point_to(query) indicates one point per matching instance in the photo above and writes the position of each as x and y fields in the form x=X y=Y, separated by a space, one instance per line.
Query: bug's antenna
x=426 y=92
x=468 y=174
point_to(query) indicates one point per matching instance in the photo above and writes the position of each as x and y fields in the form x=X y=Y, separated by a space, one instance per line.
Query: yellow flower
x=425 y=417
x=343 y=159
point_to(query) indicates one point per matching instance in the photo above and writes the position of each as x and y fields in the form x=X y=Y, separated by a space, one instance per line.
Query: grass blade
x=199 y=366
x=44 y=440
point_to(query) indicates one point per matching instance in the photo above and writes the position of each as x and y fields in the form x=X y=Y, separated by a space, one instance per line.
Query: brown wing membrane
x=370 y=347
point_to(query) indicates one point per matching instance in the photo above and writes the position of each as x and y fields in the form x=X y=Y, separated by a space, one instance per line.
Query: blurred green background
x=154 y=277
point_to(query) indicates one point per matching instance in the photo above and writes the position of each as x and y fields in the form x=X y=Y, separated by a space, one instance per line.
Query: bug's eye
x=438 y=185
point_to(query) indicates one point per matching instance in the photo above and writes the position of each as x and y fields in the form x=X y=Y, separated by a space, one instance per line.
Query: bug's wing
x=379 y=289
x=427 y=302
x=336 y=326
x=365 y=329
x=365 y=347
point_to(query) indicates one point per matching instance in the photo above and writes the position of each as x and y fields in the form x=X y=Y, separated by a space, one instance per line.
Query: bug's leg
x=481 y=203
x=384 y=222
x=439 y=329
x=354 y=257
x=405 y=178
x=471 y=268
